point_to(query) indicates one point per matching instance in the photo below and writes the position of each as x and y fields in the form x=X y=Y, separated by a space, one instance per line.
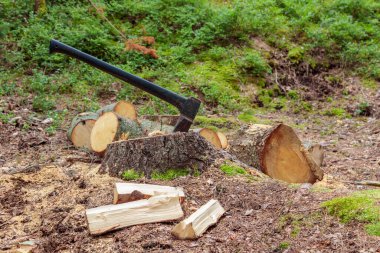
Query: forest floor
x=46 y=202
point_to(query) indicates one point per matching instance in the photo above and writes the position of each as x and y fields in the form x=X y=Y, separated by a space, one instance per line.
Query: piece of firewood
x=155 y=209
x=109 y=128
x=158 y=153
x=210 y=135
x=127 y=192
x=122 y=108
x=316 y=151
x=276 y=151
x=223 y=139
x=80 y=129
x=197 y=223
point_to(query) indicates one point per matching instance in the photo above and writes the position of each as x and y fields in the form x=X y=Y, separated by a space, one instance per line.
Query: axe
x=188 y=107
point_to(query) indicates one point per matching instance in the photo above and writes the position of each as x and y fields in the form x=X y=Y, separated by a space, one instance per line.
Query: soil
x=46 y=185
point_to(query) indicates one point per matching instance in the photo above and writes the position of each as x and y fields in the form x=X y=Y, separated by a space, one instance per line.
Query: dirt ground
x=46 y=202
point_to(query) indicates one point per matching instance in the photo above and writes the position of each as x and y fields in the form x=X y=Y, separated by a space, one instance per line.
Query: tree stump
x=80 y=129
x=159 y=153
x=276 y=151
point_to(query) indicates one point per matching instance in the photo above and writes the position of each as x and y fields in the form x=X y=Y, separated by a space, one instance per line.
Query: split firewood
x=197 y=223
x=276 y=151
x=316 y=151
x=109 y=128
x=122 y=108
x=223 y=139
x=210 y=135
x=158 y=153
x=127 y=192
x=80 y=129
x=155 y=209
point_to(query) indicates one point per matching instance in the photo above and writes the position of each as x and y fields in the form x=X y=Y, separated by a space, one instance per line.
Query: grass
x=232 y=170
x=170 y=174
x=205 y=50
x=360 y=206
x=131 y=174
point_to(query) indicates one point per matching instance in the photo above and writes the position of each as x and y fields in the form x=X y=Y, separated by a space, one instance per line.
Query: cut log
x=155 y=209
x=122 y=108
x=150 y=126
x=276 y=151
x=127 y=192
x=80 y=129
x=109 y=128
x=176 y=150
x=223 y=139
x=197 y=223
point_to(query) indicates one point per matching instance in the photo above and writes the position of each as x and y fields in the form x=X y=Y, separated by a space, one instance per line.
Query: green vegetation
x=337 y=112
x=360 y=206
x=232 y=170
x=170 y=174
x=283 y=246
x=131 y=174
x=205 y=49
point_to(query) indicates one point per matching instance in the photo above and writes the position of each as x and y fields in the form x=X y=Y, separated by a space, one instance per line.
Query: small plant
x=360 y=206
x=248 y=117
x=233 y=170
x=336 y=111
x=131 y=174
x=283 y=246
x=296 y=54
x=43 y=103
x=170 y=174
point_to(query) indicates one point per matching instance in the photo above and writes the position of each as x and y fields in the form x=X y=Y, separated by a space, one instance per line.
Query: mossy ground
x=360 y=206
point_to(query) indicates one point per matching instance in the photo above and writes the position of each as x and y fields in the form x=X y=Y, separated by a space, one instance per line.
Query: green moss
x=131 y=174
x=248 y=117
x=170 y=174
x=210 y=122
x=233 y=170
x=361 y=206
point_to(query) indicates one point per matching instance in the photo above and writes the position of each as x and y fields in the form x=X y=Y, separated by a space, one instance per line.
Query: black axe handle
x=188 y=107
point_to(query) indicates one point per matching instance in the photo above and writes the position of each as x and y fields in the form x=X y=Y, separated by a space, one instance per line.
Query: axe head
x=188 y=112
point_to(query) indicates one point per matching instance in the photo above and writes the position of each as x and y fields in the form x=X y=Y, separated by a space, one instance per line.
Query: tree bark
x=159 y=153
x=276 y=151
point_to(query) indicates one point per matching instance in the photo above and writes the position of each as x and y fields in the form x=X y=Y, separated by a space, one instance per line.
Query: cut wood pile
x=136 y=204
x=148 y=144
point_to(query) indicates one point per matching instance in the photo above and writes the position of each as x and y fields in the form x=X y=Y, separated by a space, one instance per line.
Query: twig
x=278 y=84
x=370 y=183
x=107 y=20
